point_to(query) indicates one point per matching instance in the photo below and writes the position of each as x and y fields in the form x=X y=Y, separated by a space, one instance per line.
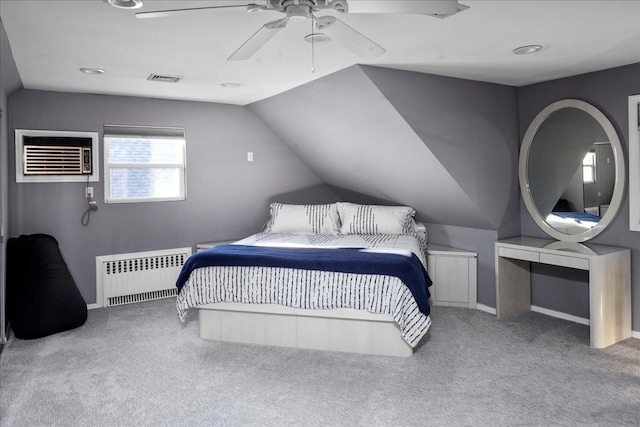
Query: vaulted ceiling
x=52 y=39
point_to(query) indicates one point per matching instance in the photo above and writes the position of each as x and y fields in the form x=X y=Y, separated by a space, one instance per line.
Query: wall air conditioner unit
x=55 y=156
x=56 y=160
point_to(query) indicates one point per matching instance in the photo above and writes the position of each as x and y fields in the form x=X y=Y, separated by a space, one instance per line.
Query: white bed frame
x=343 y=329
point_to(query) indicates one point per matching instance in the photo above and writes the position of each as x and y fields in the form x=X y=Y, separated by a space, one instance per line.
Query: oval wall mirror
x=571 y=170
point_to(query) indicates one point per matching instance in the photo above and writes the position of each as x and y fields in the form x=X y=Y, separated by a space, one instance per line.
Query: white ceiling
x=51 y=40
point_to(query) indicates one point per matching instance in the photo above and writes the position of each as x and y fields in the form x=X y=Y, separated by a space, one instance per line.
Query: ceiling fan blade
x=258 y=39
x=227 y=8
x=348 y=37
x=425 y=7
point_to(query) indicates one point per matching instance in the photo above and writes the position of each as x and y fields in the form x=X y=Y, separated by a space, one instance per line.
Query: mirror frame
x=618 y=187
x=634 y=163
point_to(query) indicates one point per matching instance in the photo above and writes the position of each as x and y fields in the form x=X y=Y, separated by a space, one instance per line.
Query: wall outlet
x=249 y=156
x=89 y=192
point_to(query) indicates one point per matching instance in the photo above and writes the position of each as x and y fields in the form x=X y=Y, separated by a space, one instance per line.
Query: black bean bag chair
x=42 y=297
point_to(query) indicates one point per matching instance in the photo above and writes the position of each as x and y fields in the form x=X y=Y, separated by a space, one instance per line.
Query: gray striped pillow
x=303 y=219
x=374 y=219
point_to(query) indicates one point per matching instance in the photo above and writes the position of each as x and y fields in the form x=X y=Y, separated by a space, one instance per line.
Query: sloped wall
x=10 y=80
x=447 y=147
x=471 y=129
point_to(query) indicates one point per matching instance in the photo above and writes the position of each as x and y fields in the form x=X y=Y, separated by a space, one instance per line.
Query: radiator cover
x=140 y=276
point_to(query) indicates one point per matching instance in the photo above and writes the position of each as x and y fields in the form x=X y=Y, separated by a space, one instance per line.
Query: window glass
x=145 y=151
x=589 y=168
x=144 y=167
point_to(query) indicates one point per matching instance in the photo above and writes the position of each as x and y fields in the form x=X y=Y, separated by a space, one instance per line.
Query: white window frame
x=19 y=144
x=144 y=132
x=634 y=164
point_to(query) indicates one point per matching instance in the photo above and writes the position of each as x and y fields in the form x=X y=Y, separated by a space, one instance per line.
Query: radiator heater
x=140 y=276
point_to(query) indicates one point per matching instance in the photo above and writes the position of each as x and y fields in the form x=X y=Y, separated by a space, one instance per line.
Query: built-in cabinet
x=454 y=275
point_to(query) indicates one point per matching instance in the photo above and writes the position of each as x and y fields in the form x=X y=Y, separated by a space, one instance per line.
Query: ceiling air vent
x=164 y=78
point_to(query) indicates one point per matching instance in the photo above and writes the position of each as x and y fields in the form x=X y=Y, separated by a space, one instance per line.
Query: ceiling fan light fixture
x=317 y=38
x=125 y=4
x=527 y=50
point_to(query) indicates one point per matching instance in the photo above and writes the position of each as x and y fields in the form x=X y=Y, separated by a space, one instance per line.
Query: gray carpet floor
x=137 y=365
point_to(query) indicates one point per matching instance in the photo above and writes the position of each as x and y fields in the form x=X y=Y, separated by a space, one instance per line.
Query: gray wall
x=609 y=91
x=447 y=147
x=227 y=197
x=10 y=82
x=3 y=210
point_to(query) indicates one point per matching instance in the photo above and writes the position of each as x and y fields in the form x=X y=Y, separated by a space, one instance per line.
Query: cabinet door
x=451 y=279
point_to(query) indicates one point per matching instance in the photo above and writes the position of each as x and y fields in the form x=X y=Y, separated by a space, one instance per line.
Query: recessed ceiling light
x=125 y=4
x=92 y=70
x=230 y=84
x=526 y=50
x=317 y=38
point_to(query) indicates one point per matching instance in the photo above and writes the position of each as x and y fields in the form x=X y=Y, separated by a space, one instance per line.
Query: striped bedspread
x=312 y=289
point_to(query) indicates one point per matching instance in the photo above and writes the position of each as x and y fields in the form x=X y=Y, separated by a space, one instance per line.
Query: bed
x=339 y=276
x=566 y=220
x=572 y=222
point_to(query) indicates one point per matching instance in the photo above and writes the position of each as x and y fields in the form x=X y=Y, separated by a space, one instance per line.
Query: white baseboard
x=571 y=318
x=92 y=306
x=560 y=315
x=486 y=308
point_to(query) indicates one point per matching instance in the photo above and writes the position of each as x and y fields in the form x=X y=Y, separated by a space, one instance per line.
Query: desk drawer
x=565 y=261
x=518 y=254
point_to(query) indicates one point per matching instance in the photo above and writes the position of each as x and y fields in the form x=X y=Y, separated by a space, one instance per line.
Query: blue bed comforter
x=578 y=216
x=409 y=269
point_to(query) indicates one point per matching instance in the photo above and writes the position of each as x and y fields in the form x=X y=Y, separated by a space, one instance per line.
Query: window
x=589 y=168
x=144 y=164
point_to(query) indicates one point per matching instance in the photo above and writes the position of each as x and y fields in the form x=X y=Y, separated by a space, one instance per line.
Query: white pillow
x=373 y=219
x=303 y=219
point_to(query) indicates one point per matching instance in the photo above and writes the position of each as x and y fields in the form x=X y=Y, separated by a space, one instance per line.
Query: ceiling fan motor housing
x=301 y=10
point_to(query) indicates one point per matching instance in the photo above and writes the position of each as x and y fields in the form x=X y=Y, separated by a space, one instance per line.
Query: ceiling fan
x=329 y=26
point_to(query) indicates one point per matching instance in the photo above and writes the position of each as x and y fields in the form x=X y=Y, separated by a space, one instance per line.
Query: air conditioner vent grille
x=164 y=78
x=52 y=160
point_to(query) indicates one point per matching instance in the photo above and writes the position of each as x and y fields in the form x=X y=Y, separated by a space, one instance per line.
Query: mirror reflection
x=571 y=171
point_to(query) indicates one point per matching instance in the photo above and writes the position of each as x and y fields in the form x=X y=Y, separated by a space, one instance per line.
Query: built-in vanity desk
x=609 y=281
